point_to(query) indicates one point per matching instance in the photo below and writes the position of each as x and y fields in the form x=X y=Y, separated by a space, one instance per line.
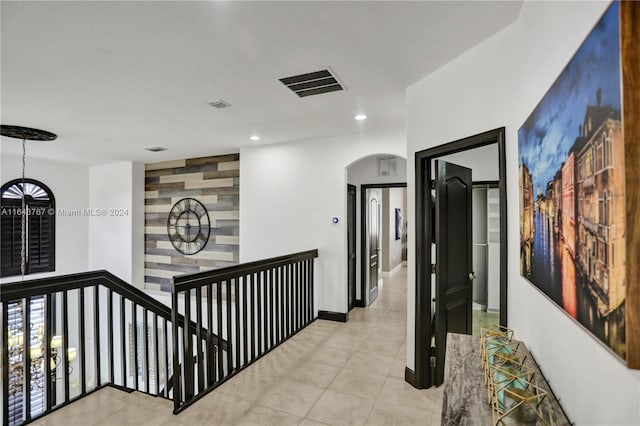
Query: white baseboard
x=404 y=263
x=393 y=271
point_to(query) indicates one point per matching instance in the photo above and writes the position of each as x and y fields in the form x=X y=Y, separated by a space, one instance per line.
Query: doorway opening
x=378 y=180
x=382 y=235
x=442 y=305
x=486 y=254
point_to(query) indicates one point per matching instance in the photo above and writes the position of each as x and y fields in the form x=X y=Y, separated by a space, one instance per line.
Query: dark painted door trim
x=423 y=374
x=364 y=262
x=351 y=243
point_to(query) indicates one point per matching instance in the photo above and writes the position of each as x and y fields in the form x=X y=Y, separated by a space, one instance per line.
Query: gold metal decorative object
x=513 y=391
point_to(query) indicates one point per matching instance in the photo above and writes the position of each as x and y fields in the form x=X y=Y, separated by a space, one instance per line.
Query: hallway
x=330 y=373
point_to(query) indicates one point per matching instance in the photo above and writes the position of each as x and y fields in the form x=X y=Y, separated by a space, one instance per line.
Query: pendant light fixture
x=26 y=134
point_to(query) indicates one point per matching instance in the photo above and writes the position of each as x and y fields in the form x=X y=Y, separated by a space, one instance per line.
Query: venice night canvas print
x=572 y=189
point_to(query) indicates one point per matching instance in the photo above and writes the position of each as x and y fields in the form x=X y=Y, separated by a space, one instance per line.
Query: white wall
x=497 y=84
x=393 y=248
x=116 y=230
x=364 y=171
x=289 y=192
x=482 y=161
x=70 y=186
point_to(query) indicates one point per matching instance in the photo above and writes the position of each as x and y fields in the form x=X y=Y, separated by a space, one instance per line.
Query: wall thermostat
x=335 y=220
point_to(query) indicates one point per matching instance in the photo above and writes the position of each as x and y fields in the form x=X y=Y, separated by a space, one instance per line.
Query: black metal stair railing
x=67 y=336
x=253 y=306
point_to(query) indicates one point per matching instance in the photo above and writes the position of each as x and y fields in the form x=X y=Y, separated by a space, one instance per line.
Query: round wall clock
x=188 y=226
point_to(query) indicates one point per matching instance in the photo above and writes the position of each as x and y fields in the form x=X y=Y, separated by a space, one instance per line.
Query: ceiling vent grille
x=219 y=104
x=313 y=83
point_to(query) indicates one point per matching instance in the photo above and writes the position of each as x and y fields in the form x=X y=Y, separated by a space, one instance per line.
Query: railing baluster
x=287 y=324
x=145 y=330
x=65 y=343
x=230 y=347
x=83 y=357
x=48 y=333
x=220 y=357
x=259 y=305
x=26 y=333
x=211 y=369
x=294 y=301
x=123 y=345
x=300 y=295
x=274 y=306
x=156 y=355
x=280 y=305
x=305 y=299
x=269 y=280
x=177 y=400
x=237 y=323
x=166 y=359
x=311 y=284
x=188 y=347
x=134 y=321
x=110 y=337
x=199 y=339
x=253 y=317
x=245 y=327
x=265 y=309
x=96 y=332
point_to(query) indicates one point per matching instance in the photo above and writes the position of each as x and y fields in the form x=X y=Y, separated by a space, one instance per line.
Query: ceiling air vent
x=313 y=83
x=219 y=104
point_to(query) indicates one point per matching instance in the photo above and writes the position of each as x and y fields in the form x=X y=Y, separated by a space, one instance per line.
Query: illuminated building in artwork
x=600 y=208
x=526 y=217
x=568 y=205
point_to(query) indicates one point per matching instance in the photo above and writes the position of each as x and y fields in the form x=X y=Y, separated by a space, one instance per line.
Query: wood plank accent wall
x=215 y=182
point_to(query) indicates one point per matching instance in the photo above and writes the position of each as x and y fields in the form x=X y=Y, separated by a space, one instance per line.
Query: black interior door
x=454 y=274
x=373 y=243
x=351 y=243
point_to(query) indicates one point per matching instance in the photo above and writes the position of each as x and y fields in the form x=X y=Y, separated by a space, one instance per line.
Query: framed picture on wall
x=399 y=221
x=578 y=181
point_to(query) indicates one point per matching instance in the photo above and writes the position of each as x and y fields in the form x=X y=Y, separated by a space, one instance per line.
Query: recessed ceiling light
x=360 y=117
x=255 y=138
x=156 y=149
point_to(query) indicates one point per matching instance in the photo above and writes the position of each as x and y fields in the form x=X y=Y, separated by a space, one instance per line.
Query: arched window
x=40 y=227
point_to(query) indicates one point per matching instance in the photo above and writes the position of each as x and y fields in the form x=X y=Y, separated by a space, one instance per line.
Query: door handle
x=472 y=276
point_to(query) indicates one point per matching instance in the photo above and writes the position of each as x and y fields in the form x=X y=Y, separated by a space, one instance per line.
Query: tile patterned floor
x=328 y=374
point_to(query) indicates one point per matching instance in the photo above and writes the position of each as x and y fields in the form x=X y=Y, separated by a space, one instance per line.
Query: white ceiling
x=112 y=78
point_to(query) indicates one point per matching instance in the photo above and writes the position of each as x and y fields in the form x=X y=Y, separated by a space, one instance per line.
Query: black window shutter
x=40 y=240
x=10 y=242
x=40 y=243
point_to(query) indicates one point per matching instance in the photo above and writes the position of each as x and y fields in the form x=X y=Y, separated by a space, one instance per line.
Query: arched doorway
x=376 y=231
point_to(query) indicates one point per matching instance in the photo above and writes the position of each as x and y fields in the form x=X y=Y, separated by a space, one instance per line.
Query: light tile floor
x=328 y=374
x=483 y=319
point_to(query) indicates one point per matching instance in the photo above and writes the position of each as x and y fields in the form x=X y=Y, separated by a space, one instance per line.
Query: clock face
x=188 y=226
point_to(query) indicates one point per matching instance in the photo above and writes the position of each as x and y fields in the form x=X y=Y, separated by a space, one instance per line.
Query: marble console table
x=465 y=394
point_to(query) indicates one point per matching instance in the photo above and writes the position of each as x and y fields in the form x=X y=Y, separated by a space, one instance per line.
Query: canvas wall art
x=573 y=192
x=399 y=220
